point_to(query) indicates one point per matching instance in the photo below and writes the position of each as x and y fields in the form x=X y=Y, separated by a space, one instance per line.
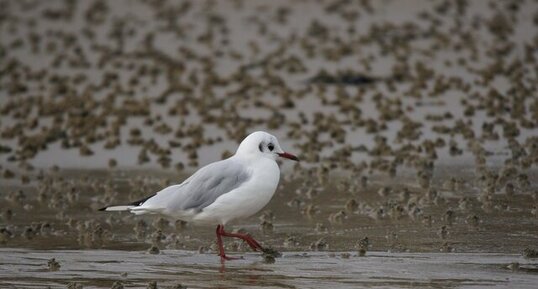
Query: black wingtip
x=102 y=209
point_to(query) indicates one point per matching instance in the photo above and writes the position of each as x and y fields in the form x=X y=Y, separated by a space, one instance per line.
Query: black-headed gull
x=234 y=188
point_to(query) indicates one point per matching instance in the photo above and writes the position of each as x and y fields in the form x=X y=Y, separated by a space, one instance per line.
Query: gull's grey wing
x=202 y=188
x=211 y=182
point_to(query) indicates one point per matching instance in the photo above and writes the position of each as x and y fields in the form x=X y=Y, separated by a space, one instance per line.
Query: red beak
x=288 y=156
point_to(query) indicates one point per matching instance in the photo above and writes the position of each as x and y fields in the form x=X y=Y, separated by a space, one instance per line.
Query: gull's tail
x=128 y=207
x=117 y=208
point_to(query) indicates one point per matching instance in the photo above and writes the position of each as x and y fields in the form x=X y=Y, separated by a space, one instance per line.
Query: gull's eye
x=270 y=146
x=260 y=147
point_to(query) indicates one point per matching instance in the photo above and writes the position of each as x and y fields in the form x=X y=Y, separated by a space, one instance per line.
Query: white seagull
x=234 y=188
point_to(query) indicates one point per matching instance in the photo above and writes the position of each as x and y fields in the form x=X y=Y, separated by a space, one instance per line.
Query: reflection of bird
x=220 y=192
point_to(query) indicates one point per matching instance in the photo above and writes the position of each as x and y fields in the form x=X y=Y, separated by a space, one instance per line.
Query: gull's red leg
x=219 y=244
x=254 y=245
x=223 y=257
x=249 y=238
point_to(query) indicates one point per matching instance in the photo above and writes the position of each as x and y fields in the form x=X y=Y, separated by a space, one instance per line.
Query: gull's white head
x=263 y=144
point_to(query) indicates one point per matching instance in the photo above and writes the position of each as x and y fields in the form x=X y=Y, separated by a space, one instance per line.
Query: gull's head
x=262 y=144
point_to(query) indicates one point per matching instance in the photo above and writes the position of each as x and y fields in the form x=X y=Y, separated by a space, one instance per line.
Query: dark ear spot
x=260 y=147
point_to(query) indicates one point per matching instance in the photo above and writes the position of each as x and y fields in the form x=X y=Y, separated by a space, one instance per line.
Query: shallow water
x=101 y=268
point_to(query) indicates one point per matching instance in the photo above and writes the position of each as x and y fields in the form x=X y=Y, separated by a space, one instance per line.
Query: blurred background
x=415 y=121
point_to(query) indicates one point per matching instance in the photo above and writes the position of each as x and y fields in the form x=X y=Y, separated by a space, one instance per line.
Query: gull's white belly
x=246 y=200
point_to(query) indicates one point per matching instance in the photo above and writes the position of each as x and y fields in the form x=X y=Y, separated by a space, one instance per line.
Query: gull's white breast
x=246 y=200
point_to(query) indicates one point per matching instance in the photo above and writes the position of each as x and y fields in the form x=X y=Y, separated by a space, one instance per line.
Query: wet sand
x=452 y=220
